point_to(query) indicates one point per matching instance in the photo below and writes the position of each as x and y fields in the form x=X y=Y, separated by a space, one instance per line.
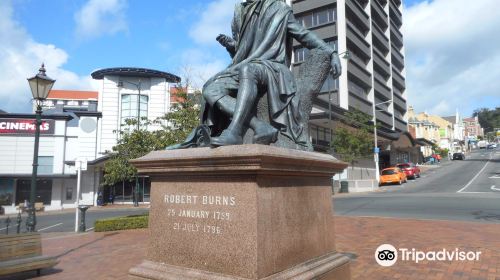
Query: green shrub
x=122 y=223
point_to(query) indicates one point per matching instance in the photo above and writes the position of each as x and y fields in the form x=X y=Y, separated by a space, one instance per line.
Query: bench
x=23 y=252
x=38 y=207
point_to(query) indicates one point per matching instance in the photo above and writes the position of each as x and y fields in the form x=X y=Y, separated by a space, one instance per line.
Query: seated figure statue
x=260 y=47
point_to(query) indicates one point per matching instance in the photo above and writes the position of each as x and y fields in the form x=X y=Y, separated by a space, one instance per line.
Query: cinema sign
x=25 y=126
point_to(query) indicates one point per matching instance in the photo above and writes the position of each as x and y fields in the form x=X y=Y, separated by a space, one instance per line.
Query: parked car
x=392 y=175
x=459 y=156
x=410 y=169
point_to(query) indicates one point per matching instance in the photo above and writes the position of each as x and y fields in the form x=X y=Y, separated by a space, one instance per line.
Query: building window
x=130 y=107
x=43 y=191
x=330 y=84
x=45 y=165
x=69 y=193
x=6 y=191
x=356 y=89
x=318 y=18
x=300 y=54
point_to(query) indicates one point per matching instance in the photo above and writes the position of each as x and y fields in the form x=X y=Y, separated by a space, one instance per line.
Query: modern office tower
x=373 y=78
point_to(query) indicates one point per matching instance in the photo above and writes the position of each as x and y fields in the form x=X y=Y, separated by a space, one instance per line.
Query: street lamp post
x=138 y=86
x=375 y=141
x=40 y=86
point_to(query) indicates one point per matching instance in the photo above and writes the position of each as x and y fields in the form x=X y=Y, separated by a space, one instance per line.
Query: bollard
x=19 y=220
x=7 y=221
x=81 y=226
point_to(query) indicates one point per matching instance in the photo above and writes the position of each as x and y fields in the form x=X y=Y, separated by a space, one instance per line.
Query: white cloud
x=100 y=17
x=452 y=55
x=207 y=56
x=199 y=66
x=21 y=57
x=215 y=19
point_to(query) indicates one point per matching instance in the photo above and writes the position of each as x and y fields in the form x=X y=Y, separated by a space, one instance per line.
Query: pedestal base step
x=334 y=266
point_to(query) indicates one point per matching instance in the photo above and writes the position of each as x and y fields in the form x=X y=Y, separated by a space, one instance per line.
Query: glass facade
x=43 y=191
x=123 y=192
x=6 y=191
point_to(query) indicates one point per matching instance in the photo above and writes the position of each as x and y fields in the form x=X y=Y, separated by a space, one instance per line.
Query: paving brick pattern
x=110 y=255
x=362 y=236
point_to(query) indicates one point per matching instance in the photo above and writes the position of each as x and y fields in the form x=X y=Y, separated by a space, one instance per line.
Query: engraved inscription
x=193 y=213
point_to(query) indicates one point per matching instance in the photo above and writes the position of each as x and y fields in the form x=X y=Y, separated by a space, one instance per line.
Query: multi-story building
x=66 y=137
x=79 y=126
x=126 y=93
x=374 y=74
x=71 y=100
x=445 y=133
x=472 y=128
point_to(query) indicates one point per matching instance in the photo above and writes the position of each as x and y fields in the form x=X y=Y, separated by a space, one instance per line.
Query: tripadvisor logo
x=388 y=255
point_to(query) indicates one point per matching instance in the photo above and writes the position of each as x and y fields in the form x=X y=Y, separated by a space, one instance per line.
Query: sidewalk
x=110 y=255
x=91 y=209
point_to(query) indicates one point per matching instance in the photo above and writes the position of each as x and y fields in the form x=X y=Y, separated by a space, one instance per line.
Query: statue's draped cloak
x=260 y=29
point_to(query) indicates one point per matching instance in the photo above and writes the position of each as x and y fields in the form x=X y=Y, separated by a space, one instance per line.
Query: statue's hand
x=226 y=41
x=336 y=67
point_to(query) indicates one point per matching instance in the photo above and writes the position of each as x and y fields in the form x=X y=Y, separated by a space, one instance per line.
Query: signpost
x=80 y=165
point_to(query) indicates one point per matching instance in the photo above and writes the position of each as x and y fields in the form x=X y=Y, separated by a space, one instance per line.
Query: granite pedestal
x=241 y=212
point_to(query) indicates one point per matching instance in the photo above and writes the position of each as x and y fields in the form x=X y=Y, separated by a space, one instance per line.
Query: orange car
x=392 y=175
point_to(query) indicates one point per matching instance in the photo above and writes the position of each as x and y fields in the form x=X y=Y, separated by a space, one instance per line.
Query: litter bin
x=344 y=187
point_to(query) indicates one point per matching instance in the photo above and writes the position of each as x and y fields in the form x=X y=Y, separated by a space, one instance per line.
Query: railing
x=8 y=223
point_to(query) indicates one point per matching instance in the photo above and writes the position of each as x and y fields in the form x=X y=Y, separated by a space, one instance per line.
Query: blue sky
x=155 y=34
x=452 y=48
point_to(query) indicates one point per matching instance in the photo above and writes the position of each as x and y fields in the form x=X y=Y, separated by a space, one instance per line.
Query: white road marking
x=474 y=178
x=495 y=177
x=474 y=192
x=89 y=229
x=3 y=228
x=493 y=188
x=50 y=226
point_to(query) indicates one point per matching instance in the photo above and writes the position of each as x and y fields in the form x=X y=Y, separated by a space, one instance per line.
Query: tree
x=355 y=140
x=134 y=143
x=488 y=119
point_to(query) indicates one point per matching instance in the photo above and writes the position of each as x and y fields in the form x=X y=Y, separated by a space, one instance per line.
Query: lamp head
x=41 y=84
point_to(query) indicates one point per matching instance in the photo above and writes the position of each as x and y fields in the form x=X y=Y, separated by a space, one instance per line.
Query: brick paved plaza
x=110 y=255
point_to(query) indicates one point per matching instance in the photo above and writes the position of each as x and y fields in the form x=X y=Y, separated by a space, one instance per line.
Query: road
x=466 y=190
x=65 y=221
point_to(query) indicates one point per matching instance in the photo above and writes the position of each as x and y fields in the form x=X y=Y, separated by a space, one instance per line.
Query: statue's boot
x=226 y=138
x=199 y=137
x=264 y=133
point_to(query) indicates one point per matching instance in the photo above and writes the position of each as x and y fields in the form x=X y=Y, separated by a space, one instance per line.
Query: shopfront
x=43 y=191
x=63 y=140
x=123 y=192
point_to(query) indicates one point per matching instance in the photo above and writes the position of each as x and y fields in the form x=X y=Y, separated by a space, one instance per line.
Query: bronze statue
x=260 y=47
